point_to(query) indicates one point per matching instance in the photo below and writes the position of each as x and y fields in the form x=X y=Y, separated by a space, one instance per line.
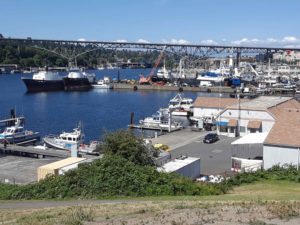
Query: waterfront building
x=208 y=108
x=254 y=116
x=282 y=145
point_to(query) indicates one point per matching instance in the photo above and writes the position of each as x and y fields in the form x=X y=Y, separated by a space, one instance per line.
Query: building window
x=223 y=129
x=242 y=129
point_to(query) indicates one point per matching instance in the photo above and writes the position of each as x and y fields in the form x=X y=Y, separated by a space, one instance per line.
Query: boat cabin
x=74 y=137
x=12 y=130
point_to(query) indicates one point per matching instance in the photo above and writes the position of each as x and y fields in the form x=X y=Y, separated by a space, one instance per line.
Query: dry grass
x=255 y=204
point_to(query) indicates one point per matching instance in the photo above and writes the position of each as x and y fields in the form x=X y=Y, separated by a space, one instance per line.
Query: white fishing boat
x=103 y=84
x=159 y=121
x=16 y=134
x=180 y=106
x=70 y=141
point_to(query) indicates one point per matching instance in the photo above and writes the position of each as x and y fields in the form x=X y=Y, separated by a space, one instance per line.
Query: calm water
x=99 y=110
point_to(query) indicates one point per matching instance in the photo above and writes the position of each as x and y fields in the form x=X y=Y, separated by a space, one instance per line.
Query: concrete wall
x=191 y=170
x=274 y=155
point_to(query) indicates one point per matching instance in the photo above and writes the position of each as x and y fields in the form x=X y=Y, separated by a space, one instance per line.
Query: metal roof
x=252 y=138
x=62 y=163
x=264 y=102
x=176 y=164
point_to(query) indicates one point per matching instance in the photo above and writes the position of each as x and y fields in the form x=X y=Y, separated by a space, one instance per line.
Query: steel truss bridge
x=191 y=50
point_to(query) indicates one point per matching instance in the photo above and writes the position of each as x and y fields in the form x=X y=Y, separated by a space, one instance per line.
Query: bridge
x=179 y=49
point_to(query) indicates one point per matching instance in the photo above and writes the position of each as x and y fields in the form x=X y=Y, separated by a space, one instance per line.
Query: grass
x=277 y=199
x=262 y=190
x=276 y=190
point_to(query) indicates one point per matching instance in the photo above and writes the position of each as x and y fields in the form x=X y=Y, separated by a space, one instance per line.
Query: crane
x=157 y=62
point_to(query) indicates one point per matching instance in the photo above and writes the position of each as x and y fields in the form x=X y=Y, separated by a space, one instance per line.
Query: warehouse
x=282 y=145
x=59 y=167
x=185 y=166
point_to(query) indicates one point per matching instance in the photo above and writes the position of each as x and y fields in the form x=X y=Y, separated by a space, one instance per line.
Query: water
x=99 y=110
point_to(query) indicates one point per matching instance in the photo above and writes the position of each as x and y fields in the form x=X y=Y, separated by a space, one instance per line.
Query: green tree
x=127 y=145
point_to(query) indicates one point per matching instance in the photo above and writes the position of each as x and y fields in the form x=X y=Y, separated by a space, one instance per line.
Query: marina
x=177 y=110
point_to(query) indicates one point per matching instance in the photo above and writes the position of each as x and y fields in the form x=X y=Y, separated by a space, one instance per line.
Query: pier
x=31 y=150
x=136 y=87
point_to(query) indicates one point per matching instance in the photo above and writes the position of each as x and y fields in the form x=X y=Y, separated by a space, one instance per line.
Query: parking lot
x=215 y=157
x=19 y=169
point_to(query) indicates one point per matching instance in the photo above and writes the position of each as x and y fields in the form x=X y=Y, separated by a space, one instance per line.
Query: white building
x=185 y=166
x=59 y=167
x=282 y=145
x=254 y=116
x=276 y=123
x=287 y=56
x=208 y=108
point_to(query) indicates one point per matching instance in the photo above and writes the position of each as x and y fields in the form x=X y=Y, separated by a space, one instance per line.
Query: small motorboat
x=103 y=84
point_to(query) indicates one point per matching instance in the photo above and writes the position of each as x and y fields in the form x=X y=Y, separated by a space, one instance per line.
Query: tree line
x=26 y=55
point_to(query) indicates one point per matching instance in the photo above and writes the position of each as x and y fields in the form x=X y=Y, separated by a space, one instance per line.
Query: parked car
x=211 y=138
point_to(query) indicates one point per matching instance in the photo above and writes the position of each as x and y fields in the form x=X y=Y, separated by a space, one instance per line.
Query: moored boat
x=16 y=134
x=159 y=121
x=103 y=84
x=44 y=81
x=70 y=141
x=180 y=106
x=77 y=80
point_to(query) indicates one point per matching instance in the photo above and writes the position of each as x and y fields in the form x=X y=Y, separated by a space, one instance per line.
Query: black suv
x=210 y=138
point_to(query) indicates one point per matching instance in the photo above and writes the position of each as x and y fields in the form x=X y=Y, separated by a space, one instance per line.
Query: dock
x=136 y=87
x=143 y=127
x=39 y=153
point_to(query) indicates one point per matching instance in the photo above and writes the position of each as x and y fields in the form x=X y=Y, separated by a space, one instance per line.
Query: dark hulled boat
x=78 y=81
x=44 y=81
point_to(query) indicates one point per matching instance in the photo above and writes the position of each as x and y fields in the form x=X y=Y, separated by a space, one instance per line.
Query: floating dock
x=143 y=127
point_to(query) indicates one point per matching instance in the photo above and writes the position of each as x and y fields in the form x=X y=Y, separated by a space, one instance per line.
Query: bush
x=285 y=172
x=125 y=144
x=107 y=177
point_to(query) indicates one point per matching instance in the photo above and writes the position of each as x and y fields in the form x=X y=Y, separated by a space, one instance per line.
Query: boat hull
x=181 y=113
x=22 y=139
x=43 y=85
x=76 y=84
x=52 y=143
x=99 y=86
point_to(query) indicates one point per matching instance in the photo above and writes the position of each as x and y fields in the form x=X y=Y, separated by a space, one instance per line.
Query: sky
x=216 y=22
